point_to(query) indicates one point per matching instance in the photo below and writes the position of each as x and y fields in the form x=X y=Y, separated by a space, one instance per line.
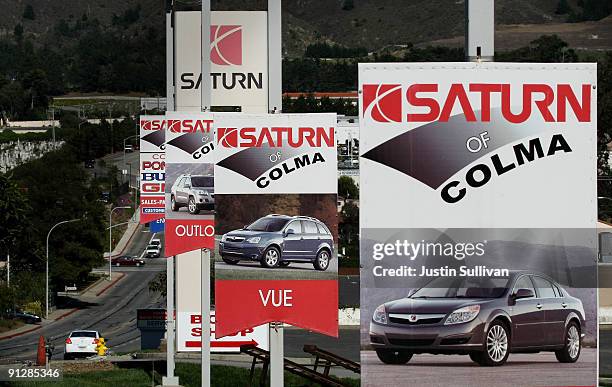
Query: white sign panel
x=276 y=153
x=239 y=56
x=189 y=328
x=471 y=144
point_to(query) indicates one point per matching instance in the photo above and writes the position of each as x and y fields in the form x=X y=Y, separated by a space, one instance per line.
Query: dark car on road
x=126 y=260
x=277 y=240
x=28 y=318
x=485 y=318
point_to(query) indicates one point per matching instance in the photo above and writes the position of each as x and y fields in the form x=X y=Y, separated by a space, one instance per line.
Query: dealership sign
x=238 y=54
x=466 y=140
x=189 y=328
x=279 y=153
x=152 y=168
x=291 y=158
x=189 y=189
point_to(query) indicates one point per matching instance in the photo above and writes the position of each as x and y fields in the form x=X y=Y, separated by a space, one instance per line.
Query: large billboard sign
x=239 y=75
x=190 y=185
x=276 y=198
x=478 y=179
x=152 y=168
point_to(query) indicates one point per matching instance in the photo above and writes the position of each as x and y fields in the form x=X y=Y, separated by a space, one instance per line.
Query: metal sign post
x=205 y=318
x=205 y=257
x=479 y=30
x=169 y=57
x=170 y=379
x=275 y=105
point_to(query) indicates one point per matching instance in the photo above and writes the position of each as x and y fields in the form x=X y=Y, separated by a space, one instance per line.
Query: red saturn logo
x=226 y=45
x=383 y=103
x=228 y=137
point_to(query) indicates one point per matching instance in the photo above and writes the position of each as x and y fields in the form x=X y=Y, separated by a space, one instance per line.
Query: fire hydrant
x=101 y=348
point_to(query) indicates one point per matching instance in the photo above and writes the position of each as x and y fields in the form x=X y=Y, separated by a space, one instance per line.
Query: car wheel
x=230 y=261
x=322 y=261
x=394 y=356
x=173 y=205
x=497 y=345
x=138 y=264
x=67 y=356
x=271 y=257
x=193 y=208
x=117 y=264
x=284 y=264
x=571 y=347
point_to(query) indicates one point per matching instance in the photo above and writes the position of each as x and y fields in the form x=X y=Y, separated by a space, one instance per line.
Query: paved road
x=541 y=369
x=114 y=315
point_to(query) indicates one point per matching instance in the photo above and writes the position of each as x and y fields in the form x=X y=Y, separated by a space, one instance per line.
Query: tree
x=563 y=8
x=14 y=209
x=347 y=188
x=28 y=12
x=347 y=5
x=18 y=32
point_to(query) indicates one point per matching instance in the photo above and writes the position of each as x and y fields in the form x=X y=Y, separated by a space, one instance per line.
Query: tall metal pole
x=275 y=105
x=170 y=379
x=8 y=269
x=479 y=30
x=169 y=57
x=206 y=103
x=205 y=262
x=206 y=87
x=110 y=241
x=47 y=265
x=275 y=58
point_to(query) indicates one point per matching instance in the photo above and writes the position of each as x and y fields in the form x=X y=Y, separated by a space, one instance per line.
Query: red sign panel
x=183 y=235
x=309 y=304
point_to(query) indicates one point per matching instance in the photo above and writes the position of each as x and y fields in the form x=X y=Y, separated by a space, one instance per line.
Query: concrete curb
x=20 y=333
x=135 y=225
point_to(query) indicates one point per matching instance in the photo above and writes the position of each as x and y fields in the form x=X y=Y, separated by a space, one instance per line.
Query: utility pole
x=8 y=269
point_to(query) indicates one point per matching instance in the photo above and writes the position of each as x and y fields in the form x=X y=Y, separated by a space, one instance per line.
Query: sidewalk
x=123 y=243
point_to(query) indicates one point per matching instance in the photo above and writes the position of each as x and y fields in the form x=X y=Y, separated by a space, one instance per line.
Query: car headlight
x=224 y=237
x=253 y=240
x=380 y=315
x=463 y=315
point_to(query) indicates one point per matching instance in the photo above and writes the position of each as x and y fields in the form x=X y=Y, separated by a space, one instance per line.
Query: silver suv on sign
x=196 y=192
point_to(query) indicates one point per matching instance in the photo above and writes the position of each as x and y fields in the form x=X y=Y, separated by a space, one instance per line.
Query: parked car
x=128 y=149
x=28 y=318
x=277 y=240
x=81 y=343
x=127 y=261
x=485 y=318
x=153 y=251
x=196 y=192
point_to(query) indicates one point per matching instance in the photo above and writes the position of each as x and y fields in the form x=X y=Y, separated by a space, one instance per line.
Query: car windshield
x=268 y=224
x=83 y=334
x=202 y=181
x=476 y=287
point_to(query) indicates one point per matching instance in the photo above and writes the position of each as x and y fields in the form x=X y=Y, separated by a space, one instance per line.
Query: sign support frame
x=275 y=105
x=170 y=379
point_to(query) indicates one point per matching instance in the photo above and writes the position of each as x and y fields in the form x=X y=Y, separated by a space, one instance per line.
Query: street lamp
x=47 y=270
x=124 y=140
x=110 y=240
